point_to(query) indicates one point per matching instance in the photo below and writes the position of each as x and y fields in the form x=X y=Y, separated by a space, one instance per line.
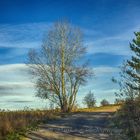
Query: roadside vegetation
x=14 y=124
x=128 y=116
x=107 y=108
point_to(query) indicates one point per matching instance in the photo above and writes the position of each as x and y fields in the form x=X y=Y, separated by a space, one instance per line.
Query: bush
x=128 y=118
x=119 y=101
x=14 y=122
x=89 y=100
x=104 y=102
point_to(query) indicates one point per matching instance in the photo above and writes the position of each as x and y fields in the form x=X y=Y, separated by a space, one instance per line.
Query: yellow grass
x=109 y=108
x=12 y=122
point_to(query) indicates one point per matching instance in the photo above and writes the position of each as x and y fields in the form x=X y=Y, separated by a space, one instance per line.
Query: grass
x=16 y=123
x=108 y=108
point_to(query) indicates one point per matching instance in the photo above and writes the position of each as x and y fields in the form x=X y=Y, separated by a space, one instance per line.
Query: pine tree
x=128 y=115
x=133 y=65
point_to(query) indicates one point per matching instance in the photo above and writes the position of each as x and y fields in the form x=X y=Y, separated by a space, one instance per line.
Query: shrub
x=14 y=122
x=128 y=118
x=89 y=100
x=104 y=102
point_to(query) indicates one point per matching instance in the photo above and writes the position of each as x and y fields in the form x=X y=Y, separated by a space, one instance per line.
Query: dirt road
x=78 y=126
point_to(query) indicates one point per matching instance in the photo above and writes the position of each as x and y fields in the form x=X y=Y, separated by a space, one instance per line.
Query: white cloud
x=12 y=67
x=22 y=35
x=105 y=70
x=21 y=45
x=117 y=44
x=14 y=76
x=16 y=85
x=30 y=36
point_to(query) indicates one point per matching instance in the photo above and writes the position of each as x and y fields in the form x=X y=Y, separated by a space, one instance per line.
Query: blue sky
x=108 y=27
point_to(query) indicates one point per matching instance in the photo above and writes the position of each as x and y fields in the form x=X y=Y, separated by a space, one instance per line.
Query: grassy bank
x=16 y=123
x=108 y=108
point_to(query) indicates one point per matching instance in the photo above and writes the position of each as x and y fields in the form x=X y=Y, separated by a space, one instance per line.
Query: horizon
x=108 y=27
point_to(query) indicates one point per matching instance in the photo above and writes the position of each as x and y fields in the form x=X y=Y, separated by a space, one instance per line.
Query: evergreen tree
x=129 y=81
x=129 y=113
x=133 y=65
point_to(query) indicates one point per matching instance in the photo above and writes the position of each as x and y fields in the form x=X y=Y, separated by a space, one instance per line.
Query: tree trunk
x=65 y=108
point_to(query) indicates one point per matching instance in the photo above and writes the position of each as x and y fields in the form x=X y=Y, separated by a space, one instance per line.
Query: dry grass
x=108 y=108
x=12 y=122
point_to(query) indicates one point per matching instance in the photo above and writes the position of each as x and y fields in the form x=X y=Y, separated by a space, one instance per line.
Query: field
x=109 y=108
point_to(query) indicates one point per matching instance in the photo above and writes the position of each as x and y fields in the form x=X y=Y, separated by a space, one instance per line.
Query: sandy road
x=78 y=126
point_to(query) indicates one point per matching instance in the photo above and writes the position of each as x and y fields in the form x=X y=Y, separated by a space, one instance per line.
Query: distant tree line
x=90 y=101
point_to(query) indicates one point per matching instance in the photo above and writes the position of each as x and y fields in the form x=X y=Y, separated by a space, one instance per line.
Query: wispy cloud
x=13 y=68
x=22 y=35
x=115 y=44
x=14 y=78
x=17 y=39
x=15 y=85
x=21 y=101
x=102 y=70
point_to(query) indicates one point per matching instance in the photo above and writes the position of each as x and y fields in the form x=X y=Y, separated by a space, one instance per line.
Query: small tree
x=89 y=100
x=104 y=102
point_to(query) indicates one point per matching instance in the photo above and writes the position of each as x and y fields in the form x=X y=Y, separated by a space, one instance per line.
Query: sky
x=108 y=27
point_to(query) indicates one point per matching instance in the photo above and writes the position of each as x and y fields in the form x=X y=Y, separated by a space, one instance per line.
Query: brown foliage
x=14 y=121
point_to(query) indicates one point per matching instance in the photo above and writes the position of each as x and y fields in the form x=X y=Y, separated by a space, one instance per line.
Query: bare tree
x=57 y=67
